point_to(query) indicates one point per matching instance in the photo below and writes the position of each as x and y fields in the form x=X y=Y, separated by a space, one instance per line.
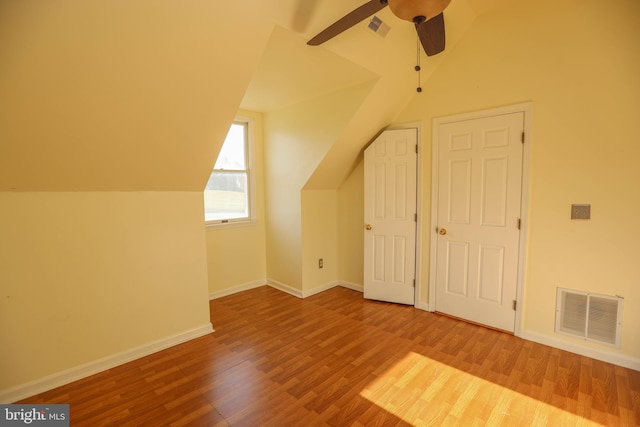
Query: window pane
x=226 y=196
x=232 y=153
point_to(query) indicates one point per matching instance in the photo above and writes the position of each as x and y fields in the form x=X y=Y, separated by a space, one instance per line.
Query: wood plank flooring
x=336 y=359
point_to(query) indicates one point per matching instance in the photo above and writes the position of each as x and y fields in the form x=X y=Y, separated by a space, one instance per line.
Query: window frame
x=248 y=122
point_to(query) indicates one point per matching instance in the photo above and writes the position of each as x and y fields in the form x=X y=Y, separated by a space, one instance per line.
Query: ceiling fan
x=425 y=14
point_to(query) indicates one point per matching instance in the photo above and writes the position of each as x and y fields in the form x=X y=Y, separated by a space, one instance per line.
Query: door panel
x=459 y=192
x=456 y=280
x=390 y=209
x=478 y=207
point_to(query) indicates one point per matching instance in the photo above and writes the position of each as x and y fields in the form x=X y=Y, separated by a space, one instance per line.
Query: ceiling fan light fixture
x=426 y=15
x=409 y=10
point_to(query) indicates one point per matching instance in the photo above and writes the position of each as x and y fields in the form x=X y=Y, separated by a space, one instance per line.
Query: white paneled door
x=478 y=218
x=390 y=217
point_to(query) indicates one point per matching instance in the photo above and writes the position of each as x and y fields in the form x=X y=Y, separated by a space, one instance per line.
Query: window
x=227 y=196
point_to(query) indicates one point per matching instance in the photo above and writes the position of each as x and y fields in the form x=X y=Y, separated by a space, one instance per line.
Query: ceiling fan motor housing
x=409 y=10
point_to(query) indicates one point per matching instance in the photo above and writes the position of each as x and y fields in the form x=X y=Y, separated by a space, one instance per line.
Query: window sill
x=235 y=223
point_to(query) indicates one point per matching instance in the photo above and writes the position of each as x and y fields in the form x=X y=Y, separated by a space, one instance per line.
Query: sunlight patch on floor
x=422 y=391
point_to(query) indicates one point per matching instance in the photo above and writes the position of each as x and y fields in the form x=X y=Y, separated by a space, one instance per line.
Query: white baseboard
x=319 y=289
x=422 y=306
x=309 y=292
x=285 y=288
x=276 y=285
x=237 y=288
x=603 y=355
x=82 y=371
x=352 y=286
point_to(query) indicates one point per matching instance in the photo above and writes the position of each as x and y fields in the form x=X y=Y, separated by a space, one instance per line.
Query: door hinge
x=522 y=137
x=415 y=217
x=519 y=223
x=416 y=148
x=414 y=283
x=515 y=303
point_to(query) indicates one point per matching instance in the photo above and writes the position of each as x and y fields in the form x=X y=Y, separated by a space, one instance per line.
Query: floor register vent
x=592 y=317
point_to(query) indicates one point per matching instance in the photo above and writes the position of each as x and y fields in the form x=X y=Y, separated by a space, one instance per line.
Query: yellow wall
x=236 y=254
x=351 y=228
x=111 y=116
x=578 y=63
x=319 y=238
x=87 y=275
x=296 y=139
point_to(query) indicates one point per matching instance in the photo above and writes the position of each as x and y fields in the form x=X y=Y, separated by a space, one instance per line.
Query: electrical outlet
x=320 y=263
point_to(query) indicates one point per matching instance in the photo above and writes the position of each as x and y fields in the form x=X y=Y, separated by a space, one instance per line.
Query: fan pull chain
x=417 y=68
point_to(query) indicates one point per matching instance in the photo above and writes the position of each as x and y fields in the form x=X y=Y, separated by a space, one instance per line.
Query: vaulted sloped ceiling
x=119 y=95
x=125 y=96
x=291 y=72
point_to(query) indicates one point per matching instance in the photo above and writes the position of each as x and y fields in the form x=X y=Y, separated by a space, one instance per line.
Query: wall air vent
x=377 y=26
x=592 y=317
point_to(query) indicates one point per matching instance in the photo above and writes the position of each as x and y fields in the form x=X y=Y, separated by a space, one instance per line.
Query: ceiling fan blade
x=431 y=34
x=348 y=21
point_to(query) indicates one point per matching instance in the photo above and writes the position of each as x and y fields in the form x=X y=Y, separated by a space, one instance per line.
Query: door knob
x=442 y=231
x=368 y=227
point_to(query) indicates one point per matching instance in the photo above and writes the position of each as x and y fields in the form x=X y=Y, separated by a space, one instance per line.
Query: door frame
x=524 y=108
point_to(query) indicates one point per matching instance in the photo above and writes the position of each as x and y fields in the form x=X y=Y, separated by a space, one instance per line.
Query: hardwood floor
x=339 y=360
